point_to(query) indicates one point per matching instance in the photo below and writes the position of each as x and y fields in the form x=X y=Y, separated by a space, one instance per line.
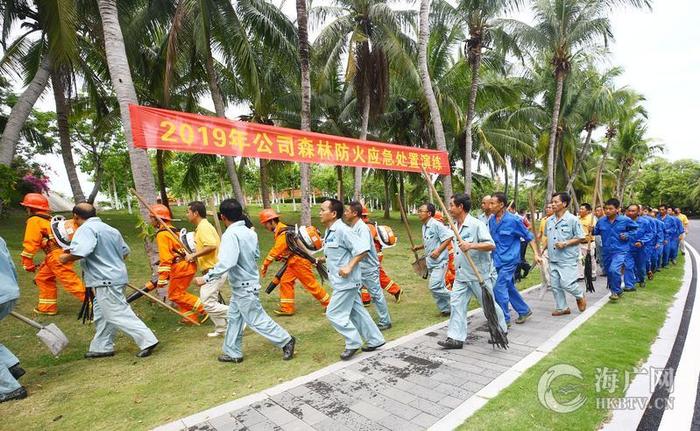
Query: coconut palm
x=305 y=112
x=123 y=84
x=372 y=35
x=563 y=31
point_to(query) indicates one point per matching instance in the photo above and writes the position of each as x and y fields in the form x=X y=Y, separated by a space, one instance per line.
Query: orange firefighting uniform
x=298 y=268
x=38 y=236
x=384 y=280
x=176 y=273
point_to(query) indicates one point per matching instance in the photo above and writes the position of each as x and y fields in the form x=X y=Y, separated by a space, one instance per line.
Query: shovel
x=420 y=267
x=50 y=335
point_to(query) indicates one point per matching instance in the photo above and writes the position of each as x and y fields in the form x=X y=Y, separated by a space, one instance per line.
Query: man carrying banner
x=174 y=271
x=101 y=250
x=238 y=255
x=369 y=265
x=344 y=251
x=207 y=244
x=38 y=236
x=298 y=268
x=436 y=238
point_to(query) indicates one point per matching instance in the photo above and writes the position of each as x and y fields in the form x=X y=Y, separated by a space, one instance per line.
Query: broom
x=498 y=337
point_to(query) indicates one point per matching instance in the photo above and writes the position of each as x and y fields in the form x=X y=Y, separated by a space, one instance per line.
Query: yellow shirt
x=543 y=237
x=205 y=236
x=587 y=223
x=684 y=220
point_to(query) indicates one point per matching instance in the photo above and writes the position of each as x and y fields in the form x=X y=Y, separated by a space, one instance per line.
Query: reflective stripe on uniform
x=48 y=301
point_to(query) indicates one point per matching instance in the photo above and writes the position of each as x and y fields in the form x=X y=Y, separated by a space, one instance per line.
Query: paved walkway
x=411 y=384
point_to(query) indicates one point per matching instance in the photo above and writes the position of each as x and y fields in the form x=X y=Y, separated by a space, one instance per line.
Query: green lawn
x=618 y=336
x=183 y=376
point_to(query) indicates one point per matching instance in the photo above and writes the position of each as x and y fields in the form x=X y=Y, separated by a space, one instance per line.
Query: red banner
x=180 y=131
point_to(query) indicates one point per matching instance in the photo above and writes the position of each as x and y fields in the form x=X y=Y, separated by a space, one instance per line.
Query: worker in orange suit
x=450 y=274
x=174 y=271
x=38 y=236
x=384 y=280
x=298 y=268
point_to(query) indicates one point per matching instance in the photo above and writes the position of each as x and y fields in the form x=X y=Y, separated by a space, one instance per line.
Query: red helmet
x=438 y=216
x=365 y=211
x=162 y=211
x=36 y=201
x=268 y=214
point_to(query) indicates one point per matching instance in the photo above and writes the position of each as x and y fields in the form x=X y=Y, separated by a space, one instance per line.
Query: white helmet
x=310 y=237
x=386 y=236
x=62 y=230
x=187 y=239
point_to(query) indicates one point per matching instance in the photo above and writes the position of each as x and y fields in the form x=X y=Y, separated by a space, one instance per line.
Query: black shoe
x=347 y=354
x=384 y=327
x=147 y=351
x=449 y=343
x=629 y=289
x=288 y=349
x=95 y=355
x=227 y=358
x=17 y=394
x=445 y=313
x=522 y=319
x=371 y=348
x=17 y=371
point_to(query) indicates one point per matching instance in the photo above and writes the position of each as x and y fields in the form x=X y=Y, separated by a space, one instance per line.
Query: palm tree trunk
x=440 y=141
x=579 y=159
x=475 y=62
x=553 y=135
x=387 y=195
x=160 y=170
x=264 y=184
x=220 y=109
x=401 y=191
x=599 y=174
x=505 y=172
x=62 y=109
x=21 y=110
x=304 y=168
x=340 y=191
x=97 y=183
x=357 y=189
x=515 y=188
x=126 y=95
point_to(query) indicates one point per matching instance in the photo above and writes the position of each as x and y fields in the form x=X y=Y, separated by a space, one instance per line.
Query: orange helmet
x=162 y=211
x=36 y=201
x=268 y=214
x=310 y=237
x=365 y=211
x=438 y=216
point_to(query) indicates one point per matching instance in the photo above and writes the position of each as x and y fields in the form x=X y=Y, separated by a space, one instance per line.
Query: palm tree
x=372 y=35
x=480 y=17
x=126 y=95
x=563 y=30
x=424 y=31
x=304 y=57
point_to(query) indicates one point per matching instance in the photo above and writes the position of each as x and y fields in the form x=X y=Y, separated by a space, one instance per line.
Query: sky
x=659 y=51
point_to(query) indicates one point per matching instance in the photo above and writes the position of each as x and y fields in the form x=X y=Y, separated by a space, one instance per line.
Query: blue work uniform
x=345 y=310
x=661 y=237
x=466 y=282
x=369 y=267
x=669 y=231
x=434 y=234
x=238 y=259
x=9 y=292
x=645 y=235
x=674 y=242
x=507 y=234
x=615 y=235
x=563 y=263
x=102 y=249
x=651 y=247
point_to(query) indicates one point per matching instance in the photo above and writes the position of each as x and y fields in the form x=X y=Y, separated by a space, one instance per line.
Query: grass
x=183 y=376
x=618 y=336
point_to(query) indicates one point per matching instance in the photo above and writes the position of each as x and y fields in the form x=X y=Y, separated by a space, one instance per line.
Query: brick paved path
x=409 y=385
